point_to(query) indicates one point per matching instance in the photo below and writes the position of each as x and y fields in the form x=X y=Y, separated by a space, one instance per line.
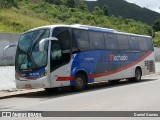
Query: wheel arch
x=82 y=72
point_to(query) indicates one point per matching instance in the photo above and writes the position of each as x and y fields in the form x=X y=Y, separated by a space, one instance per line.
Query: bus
x=77 y=55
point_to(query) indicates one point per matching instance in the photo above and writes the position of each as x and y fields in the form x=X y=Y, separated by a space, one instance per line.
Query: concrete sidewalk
x=14 y=93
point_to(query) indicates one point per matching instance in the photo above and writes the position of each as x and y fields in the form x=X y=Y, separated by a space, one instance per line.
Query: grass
x=12 y=21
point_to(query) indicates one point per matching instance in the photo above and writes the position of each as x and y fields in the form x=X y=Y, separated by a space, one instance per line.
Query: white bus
x=77 y=55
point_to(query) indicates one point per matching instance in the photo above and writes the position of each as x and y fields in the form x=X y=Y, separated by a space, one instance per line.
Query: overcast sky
x=150 y=4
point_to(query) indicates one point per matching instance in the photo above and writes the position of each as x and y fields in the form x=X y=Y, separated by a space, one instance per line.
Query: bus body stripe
x=65 y=78
x=108 y=73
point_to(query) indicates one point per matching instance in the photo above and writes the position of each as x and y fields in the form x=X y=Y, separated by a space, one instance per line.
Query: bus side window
x=142 y=43
x=123 y=43
x=110 y=41
x=64 y=39
x=74 y=47
x=61 y=53
x=133 y=43
x=150 y=44
x=56 y=53
x=81 y=37
x=96 y=40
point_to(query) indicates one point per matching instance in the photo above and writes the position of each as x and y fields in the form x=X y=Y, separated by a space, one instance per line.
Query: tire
x=138 y=75
x=80 y=82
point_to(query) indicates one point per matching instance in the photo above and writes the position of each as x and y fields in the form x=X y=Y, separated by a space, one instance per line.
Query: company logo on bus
x=113 y=57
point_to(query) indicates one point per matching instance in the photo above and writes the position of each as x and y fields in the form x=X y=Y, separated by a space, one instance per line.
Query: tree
x=56 y=2
x=8 y=3
x=82 y=5
x=70 y=3
x=105 y=10
x=156 y=25
x=98 y=11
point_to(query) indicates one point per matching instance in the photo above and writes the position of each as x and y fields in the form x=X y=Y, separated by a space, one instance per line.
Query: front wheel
x=80 y=82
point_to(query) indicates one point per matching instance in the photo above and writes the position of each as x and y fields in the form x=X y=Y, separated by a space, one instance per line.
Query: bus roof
x=93 y=28
x=86 y=27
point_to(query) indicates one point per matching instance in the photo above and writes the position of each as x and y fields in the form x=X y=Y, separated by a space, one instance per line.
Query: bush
x=63 y=17
x=8 y=3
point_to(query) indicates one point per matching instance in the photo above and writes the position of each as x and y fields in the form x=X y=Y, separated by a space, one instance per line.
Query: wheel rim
x=79 y=82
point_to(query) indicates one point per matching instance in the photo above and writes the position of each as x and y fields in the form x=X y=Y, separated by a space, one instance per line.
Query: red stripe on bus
x=65 y=78
x=107 y=73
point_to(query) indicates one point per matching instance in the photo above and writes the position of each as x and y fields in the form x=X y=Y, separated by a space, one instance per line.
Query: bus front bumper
x=31 y=84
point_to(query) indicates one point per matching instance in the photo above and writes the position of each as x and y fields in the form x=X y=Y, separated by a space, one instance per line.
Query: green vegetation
x=27 y=14
x=8 y=3
x=157 y=39
x=12 y=21
x=156 y=25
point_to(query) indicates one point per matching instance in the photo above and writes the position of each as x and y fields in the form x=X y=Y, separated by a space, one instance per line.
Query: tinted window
x=64 y=39
x=142 y=43
x=133 y=43
x=58 y=57
x=122 y=41
x=73 y=42
x=96 y=40
x=63 y=36
x=150 y=44
x=58 y=30
x=110 y=41
x=81 y=37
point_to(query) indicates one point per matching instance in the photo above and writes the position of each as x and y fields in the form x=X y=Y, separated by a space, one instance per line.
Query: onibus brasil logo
x=113 y=57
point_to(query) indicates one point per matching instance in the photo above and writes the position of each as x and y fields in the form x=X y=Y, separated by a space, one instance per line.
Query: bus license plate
x=28 y=86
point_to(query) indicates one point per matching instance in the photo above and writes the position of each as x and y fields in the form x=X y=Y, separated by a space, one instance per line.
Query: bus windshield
x=28 y=54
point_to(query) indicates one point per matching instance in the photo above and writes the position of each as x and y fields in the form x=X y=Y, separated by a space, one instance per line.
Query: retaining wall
x=5 y=40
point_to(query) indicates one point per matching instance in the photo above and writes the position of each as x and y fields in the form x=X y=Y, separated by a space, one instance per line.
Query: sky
x=150 y=4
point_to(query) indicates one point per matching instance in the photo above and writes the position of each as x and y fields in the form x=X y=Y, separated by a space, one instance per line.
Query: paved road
x=124 y=96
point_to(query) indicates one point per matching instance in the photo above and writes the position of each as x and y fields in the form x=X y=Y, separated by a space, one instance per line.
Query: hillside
x=27 y=15
x=126 y=10
x=15 y=22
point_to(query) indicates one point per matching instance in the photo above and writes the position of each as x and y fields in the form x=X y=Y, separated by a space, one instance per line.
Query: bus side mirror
x=6 y=48
x=43 y=42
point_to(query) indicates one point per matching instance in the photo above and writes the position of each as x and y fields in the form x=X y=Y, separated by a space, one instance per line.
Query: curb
x=4 y=95
x=154 y=74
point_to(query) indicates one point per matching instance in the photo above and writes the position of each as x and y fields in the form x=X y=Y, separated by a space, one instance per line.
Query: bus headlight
x=43 y=74
x=17 y=76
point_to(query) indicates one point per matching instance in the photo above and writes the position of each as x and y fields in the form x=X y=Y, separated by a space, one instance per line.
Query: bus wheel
x=138 y=74
x=80 y=82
